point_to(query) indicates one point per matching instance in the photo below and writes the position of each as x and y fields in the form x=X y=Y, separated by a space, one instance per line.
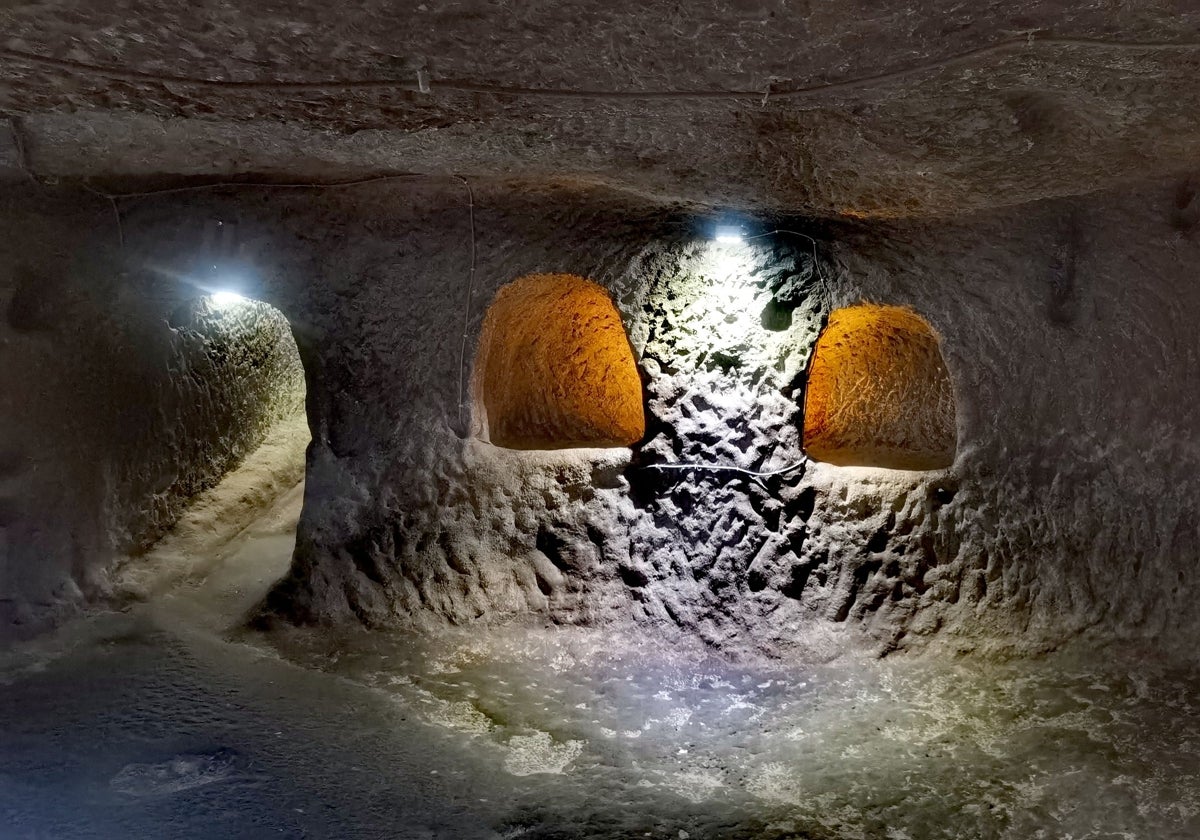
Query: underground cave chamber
x=832 y=497
x=743 y=421
x=644 y=447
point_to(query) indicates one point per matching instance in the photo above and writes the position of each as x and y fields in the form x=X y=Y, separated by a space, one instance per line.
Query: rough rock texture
x=867 y=107
x=121 y=397
x=1066 y=330
x=554 y=368
x=243 y=357
x=1067 y=466
x=878 y=393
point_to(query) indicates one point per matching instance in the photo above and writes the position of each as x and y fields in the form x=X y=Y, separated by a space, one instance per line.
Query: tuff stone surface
x=1067 y=511
x=865 y=108
x=878 y=393
x=554 y=368
x=122 y=396
x=1013 y=548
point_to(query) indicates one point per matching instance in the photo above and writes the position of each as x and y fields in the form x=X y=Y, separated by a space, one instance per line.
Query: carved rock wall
x=122 y=396
x=1066 y=331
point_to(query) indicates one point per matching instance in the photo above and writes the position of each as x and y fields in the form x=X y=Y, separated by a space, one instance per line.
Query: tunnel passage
x=555 y=368
x=879 y=393
x=236 y=400
x=241 y=356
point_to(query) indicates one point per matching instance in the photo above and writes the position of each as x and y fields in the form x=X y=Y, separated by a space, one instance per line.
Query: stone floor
x=162 y=722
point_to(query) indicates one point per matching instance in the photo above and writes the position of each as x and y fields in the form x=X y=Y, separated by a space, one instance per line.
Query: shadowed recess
x=555 y=368
x=879 y=393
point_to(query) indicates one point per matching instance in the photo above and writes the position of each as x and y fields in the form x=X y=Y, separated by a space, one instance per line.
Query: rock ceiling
x=868 y=108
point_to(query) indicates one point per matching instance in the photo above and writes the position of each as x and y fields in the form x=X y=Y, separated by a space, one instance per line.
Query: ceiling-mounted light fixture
x=226 y=298
x=728 y=234
x=224 y=274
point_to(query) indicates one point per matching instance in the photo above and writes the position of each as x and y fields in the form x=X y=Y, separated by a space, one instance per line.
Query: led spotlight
x=226 y=298
x=728 y=234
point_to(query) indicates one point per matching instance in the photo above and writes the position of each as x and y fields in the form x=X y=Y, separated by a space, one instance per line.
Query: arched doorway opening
x=233 y=422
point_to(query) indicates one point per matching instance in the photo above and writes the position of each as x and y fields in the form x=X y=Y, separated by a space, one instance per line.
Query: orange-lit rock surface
x=555 y=368
x=879 y=393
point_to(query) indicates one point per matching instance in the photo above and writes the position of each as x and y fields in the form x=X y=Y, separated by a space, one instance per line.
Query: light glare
x=728 y=234
x=226 y=298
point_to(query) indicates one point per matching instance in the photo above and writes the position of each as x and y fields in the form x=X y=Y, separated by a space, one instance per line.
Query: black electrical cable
x=729 y=468
x=1018 y=43
x=462 y=347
